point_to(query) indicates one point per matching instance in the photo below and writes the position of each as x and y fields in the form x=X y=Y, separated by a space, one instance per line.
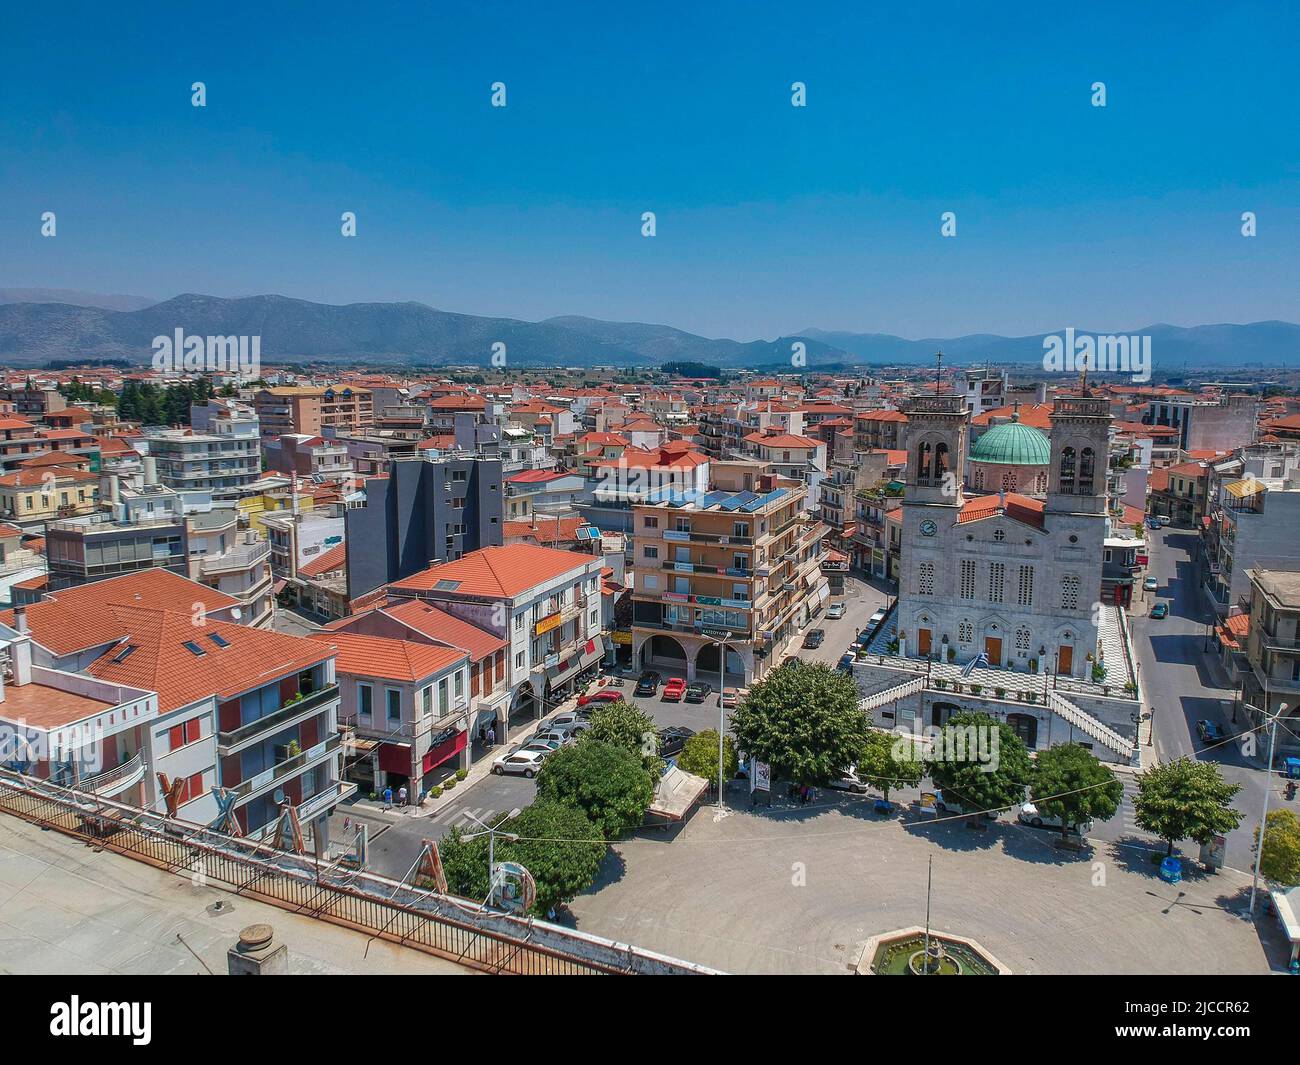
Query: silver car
x=522 y=763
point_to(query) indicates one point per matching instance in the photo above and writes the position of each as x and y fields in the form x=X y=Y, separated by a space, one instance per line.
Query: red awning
x=395 y=758
x=445 y=750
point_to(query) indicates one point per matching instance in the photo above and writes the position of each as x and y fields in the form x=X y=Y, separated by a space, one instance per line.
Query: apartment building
x=311 y=411
x=420 y=513
x=44 y=493
x=799 y=458
x=223 y=461
x=879 y=430
x=544 y=603
x=230 y=560
x=1206 y=423
x=310 y=457
x=738 y=565
x=1271 y=685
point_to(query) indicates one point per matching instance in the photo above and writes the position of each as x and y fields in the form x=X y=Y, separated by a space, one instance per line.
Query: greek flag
x=980 y=659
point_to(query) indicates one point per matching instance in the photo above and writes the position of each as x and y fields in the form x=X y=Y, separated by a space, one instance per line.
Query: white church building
x=998 y=605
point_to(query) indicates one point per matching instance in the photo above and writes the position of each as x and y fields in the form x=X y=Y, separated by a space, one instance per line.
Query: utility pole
x=1268 y=787
x=492 y=831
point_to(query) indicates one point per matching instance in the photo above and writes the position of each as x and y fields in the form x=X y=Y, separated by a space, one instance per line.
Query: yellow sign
x=624 y=638
x=548 y=623
x=928 y=800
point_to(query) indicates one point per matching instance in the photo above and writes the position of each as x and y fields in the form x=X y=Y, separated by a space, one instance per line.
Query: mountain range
x=37 y=325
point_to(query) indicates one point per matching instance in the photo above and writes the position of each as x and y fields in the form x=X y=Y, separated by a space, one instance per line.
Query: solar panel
x=736 y=502
x=712 y=499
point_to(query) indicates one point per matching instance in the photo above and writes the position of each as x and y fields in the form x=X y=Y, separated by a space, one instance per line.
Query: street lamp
x=721 y=638
x=1263 y=817
x=492 y=831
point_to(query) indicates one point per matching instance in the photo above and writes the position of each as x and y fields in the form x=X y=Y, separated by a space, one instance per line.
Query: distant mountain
x=107 y=302
x=34 y=332
x=399 y=332
x=1172 y=346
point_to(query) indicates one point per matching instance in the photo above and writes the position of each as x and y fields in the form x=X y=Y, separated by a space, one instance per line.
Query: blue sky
x=770 y=218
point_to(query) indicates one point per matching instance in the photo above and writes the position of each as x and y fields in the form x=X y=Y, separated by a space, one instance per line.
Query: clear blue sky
x=770 y=218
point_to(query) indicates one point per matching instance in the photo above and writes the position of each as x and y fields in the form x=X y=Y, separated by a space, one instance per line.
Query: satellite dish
x=279 y=796
x=237 y=613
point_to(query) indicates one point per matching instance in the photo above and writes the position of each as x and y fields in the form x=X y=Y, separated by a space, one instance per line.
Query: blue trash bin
x=1171 y=870
x=1292 y=766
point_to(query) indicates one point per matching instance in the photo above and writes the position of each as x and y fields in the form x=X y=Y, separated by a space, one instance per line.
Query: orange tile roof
x=333 y=559
x=1021 y=508
x=1037 y=415
x=381 y=656
x=496 y=572
x=32 y=478
x=162 y=662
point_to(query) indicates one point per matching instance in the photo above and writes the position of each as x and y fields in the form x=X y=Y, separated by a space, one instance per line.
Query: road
x=394 y=847
x=1182 y=687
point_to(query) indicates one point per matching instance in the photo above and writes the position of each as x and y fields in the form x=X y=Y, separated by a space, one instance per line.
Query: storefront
x=563 y=674
x=444 y=751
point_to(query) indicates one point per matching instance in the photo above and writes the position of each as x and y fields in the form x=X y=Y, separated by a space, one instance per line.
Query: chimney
x=20 y=649
x=20 y=618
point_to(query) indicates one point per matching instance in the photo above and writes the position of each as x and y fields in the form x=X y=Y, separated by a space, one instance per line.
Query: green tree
x=624 y=725
x=1186 y=800
x=1071 y=783
x=1281 y=860
x=888 y=760
x=700 y=756
x=979 y=762
x=558 y=845
x=803 y=720
x=608 y=783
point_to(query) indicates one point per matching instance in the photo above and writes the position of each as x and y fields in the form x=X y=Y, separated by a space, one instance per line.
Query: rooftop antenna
x=938 y=365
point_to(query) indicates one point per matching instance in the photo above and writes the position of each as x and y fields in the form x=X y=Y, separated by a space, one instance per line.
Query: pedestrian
x=388 y=797
x=492 y=736
x=401 y=795
x=803 y=794
x=482 y=736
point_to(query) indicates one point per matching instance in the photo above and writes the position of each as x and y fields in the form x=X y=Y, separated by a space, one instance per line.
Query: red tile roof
x=1021 y=508
x=333 y=559
x=381 y=656
x=496 y=572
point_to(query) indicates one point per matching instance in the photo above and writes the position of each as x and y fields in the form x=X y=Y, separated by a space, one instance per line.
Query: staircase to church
x=1086 y=723
x=899 y=691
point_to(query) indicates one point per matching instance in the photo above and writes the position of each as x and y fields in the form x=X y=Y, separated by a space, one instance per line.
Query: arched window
x=940 y=463
x=1022 y=642
x=1086 y=468
x=923 y=462
x=1067 y=471
x=925 y=578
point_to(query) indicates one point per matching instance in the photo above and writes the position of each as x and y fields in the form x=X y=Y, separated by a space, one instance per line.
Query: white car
x=875 y=619
x=1150 y=584
x=1029 y=815
x=848 y=781
x=569 y=721
x=522 y=762
x=561 y=737
x=952 y=806
x=835 y=611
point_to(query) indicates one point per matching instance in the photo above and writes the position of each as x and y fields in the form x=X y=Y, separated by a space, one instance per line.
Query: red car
x=674 y=690
x=605 y=695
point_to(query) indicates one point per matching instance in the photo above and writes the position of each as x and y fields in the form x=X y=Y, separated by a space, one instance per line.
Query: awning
x=592 y=652
x=395 y=758
x=823 y=592
x=445 y=749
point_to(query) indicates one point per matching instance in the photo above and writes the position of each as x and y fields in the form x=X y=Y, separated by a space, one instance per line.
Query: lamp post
x=720 y=637
x=492 y=831
x=1263 y=817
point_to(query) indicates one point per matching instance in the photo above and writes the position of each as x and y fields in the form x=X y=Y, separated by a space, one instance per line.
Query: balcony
x=281 y=771
x=116 y=780
x=240 y=557
x=289 y=714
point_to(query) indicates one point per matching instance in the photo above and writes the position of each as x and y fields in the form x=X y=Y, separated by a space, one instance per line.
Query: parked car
x=562 y=736
x=846 y=663
x=647 y=683
x=525 y=763
x=1160 y=610
x=573 y=721
x=835 y=611
x=604 y=695
x=544 y=749
x=1153 y=523
x=1209 y=732
x=1162 y=520
x=1029 y=815
x=848 y=781
x=1150 y=584
x=952 y=806
x=731 y=697
x=672 y=739
x=697 y=692
x=813 y=638
x=543 y=742
x=674 y=690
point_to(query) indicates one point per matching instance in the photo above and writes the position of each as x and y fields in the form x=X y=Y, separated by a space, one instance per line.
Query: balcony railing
x=278 y=719
x=287 y=768
x=117 y=779
x=239 y=557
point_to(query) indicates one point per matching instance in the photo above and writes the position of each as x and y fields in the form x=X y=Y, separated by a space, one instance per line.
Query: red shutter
x=229 y=716
x=176 y=734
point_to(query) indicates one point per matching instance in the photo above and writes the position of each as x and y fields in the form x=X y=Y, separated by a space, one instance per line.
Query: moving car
x=1209 y=732
x=1160 y=610
x=813 y=638
x=525 y=763
x=647 y=683
x=835 y=611
x=672 y=739
x=1029 y=815
x=605 y=695
x=697 y=692
x=674 y=690
x=1150 y=584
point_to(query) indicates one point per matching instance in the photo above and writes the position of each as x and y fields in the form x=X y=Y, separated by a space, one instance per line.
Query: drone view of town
x=458 y=554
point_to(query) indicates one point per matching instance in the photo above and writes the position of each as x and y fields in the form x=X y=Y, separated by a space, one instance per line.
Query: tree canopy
x=888 y=760
x=979 y=762
x=558 y=845
x=608 y=783
x=700 y=756
x=1186 y=799
x=1281 y=859
x=627 y=726
x=1071 y=783
x=804 y=721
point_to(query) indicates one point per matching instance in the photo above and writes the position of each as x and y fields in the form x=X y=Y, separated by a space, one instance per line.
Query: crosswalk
x=462 y=817
x=1127 y=815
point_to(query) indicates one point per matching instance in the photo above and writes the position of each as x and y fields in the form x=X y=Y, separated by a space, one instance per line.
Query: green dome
x=1013 y=444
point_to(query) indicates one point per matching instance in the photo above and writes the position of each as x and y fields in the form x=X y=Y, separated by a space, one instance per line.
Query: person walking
x=401 y=795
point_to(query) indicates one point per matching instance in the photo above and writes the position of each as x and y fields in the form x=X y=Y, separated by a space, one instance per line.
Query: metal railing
x=443 y=925
x=275 y=720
